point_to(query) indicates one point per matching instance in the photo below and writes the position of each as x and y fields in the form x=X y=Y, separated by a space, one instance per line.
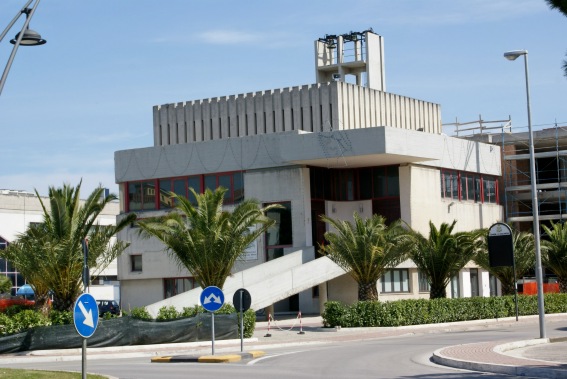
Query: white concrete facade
x=277 y=139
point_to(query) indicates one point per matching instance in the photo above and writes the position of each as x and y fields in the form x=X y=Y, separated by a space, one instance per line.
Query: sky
x=68 y=105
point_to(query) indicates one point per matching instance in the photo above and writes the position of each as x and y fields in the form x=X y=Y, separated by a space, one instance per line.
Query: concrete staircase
x=267 y=283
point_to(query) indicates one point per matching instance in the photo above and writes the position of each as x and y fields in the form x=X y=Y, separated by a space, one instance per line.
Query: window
x=141 y=195
x=279 y=235
x=493 y=282
x=455 y=287
x=489 y=190
x=474 y=282
x=154 y=194
x=136 y=263
x=450 y=184
x=468 y=187
x=423 y=282
x=175 y=286
x=396 y=280
x=195 y=183
x=354 y=184
x=315 y=292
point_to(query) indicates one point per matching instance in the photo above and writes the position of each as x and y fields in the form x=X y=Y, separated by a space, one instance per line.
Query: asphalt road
x=405 y=356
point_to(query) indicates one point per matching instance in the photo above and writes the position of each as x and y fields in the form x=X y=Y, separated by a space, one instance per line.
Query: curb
x=537 y=369
x=227 y=358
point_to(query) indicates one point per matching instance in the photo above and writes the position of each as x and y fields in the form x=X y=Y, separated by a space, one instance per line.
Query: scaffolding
x=550 y=153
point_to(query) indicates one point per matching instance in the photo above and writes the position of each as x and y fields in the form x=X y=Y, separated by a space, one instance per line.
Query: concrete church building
x=338 y=146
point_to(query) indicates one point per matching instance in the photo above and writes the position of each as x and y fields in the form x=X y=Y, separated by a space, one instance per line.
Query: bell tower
x=354 y=57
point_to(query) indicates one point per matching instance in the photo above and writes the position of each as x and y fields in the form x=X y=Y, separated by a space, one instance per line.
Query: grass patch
x=9 y=373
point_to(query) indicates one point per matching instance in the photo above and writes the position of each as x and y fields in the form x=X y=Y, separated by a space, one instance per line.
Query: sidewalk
x=542 y=358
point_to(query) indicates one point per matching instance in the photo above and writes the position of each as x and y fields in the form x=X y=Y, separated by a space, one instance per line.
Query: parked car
x=108 y=306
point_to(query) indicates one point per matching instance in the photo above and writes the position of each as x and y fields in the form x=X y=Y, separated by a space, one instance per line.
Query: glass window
x=379 y=182
x=365 y=180
x=210 y=182
x=493 y=282
x=175 y=286
x=274 y=253
x=180 y=187
x=195 y=183
x=165 y=198
x=393 y=181
x=423 y=282
x=396 y=280
x=238 y=186
x=226 y=182
x=141 y=195
x=136 y=262
x=474 y=282
x=279 y=235
x=455 y=287
x=454 y=185
x=135 y=196
x=489 y=192
x=477 y=189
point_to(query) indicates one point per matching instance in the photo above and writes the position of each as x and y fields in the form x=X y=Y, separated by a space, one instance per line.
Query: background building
x=338 y=146
x=20 y=209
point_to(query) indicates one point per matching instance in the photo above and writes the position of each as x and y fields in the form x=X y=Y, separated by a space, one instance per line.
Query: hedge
x=423 y=311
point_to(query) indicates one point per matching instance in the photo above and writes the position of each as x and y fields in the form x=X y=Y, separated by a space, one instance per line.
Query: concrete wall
x=289 y=184
x=312 y=108
x=139 y=293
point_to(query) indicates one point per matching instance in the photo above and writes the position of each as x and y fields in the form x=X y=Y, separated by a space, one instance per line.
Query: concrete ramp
x=267 y=283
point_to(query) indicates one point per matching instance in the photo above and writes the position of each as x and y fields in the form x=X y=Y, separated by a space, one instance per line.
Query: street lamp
x=513 y=55
x=26 y=37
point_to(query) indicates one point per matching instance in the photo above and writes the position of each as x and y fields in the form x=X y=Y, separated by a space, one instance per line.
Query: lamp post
x=26 y=37
x=513 y=55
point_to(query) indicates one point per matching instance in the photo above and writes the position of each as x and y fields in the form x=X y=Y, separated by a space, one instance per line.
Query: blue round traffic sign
x=85 y=315
x=212 y=298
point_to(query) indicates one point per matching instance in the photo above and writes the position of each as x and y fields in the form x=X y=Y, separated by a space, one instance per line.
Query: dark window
x=195 y=183
x=279 y=235
x=474 y=282
x=175 y=286
x=423 y=282
x=136 y=262
x=365 y=180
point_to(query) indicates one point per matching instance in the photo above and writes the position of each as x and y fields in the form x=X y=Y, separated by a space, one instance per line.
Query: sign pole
x=213 y=332
x=84 y=358
x=515 y=285
x=212 y=299
x=85 y=318
x=241 y=323
x=86 y=280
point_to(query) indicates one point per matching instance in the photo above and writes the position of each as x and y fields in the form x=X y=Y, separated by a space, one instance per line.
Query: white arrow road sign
x=88 y=315
x=212 y=298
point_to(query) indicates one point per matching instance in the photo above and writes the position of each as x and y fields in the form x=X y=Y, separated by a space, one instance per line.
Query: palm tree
x=524 y=260
x=205 y=239
x=5 y=284
x=554 y=250
x=50 y=254
x=365 y=249
x=561 y=6
x=442 y=255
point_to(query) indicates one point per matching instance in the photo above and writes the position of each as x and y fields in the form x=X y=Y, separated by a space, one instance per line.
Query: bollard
x=300 y=325
x=269 y=318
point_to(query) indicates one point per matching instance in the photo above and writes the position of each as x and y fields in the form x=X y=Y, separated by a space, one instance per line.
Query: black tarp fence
x=124 y=331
